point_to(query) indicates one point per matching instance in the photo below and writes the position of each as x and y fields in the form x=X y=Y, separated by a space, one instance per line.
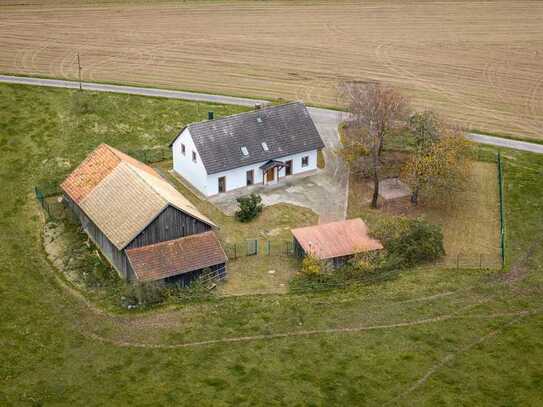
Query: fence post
x=457 y=262
x=502 y=213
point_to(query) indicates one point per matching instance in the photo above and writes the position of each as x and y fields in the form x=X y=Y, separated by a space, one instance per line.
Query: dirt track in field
x=480 y=63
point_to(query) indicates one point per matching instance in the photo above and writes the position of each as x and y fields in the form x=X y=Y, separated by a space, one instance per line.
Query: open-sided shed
x=335 y=241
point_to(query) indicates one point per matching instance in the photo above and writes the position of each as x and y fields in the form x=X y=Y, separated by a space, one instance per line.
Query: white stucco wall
x=194 y=172
x=237 y=177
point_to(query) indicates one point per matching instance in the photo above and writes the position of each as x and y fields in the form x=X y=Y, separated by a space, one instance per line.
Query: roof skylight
x=244 y=151
x=265 y=146
x=259 y=119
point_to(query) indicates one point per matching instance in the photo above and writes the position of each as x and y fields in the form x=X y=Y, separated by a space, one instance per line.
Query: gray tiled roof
x=286 y=129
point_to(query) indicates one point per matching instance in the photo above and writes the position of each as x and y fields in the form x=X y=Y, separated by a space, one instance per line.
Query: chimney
x=209 y=115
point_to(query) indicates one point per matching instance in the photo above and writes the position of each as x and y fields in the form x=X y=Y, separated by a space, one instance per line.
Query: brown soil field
x=477 y=62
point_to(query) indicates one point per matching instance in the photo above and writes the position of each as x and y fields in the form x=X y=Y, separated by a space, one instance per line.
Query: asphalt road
x=322 y=115
x=504 y=142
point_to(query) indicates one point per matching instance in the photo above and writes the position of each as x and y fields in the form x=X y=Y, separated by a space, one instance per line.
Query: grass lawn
x=250 y=274
x=470 y=222
x=425 y=337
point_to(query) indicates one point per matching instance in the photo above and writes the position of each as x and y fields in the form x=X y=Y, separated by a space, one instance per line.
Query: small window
x=194 y=156
x=305 y=161
x=259 y=119
x=244 y=151
x=265 y=146
x=183 y=149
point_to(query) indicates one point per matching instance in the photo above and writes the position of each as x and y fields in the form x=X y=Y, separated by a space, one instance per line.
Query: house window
x=305 y=161
x=265 y=146
x=194 y=156
x=183 y=149
x=250 y=177
x=244 y=151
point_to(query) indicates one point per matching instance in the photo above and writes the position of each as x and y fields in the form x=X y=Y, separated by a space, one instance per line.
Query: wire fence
x=51 y=202
x=151 y=155
x=259 y=247
x=474 y=261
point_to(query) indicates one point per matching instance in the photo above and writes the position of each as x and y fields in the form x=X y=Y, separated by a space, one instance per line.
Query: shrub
x=249 y=207
x=195 y=291
x=143 y=294
x=315 y=282
x=311 y=265
x=409 y=241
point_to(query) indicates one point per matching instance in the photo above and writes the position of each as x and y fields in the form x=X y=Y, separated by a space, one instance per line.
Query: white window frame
x=194 y=157
x=183 y=149
x=306 y=159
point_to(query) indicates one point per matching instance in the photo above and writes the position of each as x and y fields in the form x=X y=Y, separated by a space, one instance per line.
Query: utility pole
x=79 y=71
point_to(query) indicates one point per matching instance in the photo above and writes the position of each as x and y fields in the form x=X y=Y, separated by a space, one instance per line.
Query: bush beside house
x=249 y=207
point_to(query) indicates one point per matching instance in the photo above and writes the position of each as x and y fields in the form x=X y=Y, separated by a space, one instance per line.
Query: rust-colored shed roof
x=173 y=257
x=336 y=239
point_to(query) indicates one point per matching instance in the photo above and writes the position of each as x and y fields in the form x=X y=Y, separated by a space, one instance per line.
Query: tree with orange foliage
x=439 y=165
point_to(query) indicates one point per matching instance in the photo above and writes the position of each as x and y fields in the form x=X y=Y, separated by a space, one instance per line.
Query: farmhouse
x=336 y=242
x=258 y=147
x=144 y=227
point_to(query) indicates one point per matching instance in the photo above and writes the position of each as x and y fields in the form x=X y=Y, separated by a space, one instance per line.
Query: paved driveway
x=323 y=191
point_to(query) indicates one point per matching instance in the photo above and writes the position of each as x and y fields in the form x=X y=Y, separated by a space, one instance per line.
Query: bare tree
x=374 y=110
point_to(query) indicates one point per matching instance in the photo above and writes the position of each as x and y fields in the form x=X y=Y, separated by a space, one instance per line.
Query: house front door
x=270 y=175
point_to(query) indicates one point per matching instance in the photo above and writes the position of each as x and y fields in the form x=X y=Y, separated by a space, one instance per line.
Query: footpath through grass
x=425 y=337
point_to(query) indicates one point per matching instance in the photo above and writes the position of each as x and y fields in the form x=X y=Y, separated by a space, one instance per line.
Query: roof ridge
x=172 y=241
x=167 y=202
x=292 y=102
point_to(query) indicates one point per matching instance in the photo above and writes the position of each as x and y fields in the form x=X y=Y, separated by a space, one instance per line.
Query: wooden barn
x=125 y=205
x=336 y=242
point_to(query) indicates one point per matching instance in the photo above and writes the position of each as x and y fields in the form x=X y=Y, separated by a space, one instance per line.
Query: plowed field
x=480 y=63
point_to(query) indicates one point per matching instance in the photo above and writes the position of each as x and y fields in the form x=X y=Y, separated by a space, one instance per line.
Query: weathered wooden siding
x=170 y=224
x=335 y=261
x=117 y=258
